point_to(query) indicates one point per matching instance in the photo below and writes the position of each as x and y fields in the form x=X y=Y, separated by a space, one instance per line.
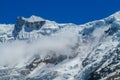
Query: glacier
x=38 y=49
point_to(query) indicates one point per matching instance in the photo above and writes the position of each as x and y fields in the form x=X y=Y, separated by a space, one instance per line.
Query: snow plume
x=17 y=52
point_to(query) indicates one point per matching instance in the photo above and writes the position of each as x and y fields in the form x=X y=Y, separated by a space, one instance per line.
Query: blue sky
x=62 y=11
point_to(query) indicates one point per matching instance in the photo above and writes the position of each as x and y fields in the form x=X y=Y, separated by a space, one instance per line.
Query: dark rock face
x=18 y=26
x=29 y=26
x=37 y=24
x=48 y=60
x=113 y=66
x=113 y=29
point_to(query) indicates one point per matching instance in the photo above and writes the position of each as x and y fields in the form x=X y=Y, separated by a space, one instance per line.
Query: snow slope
x=39 y=49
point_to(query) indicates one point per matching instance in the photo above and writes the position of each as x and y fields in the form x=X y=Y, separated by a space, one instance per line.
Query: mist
x=19 y=52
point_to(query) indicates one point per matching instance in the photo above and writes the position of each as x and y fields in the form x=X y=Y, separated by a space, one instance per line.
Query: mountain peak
x=33 y=18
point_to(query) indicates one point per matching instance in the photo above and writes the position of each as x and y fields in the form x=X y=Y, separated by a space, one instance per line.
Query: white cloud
x=18 y=51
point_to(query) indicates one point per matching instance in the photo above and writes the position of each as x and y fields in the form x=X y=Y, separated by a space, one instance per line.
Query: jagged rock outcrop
x=28 y=26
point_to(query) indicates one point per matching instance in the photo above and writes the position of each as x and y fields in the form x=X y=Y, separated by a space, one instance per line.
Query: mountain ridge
x=46 y=50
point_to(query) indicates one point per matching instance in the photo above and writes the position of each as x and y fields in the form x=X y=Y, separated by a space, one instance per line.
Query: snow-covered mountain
x=38 y=49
